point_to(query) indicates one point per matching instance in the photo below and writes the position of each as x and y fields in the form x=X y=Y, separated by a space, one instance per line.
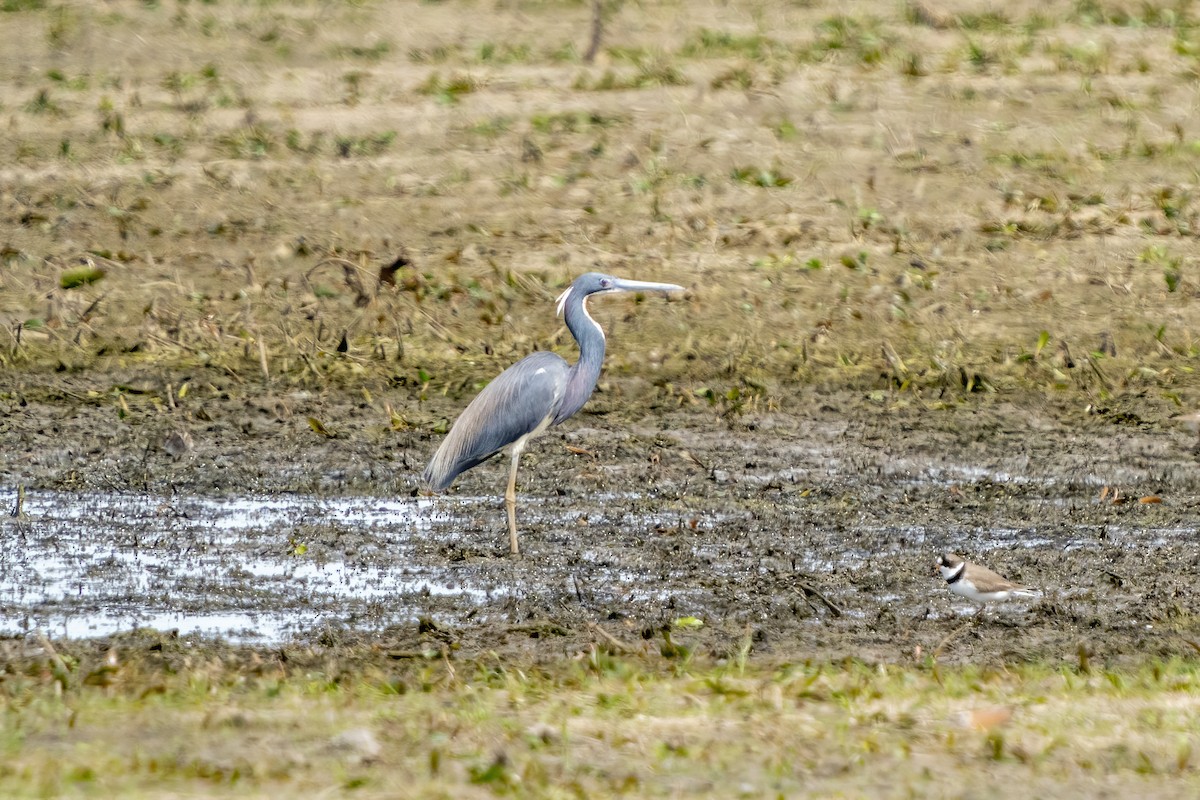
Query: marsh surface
x=631 y=525
x=940 y=295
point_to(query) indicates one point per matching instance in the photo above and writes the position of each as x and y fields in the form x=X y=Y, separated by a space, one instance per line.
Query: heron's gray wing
x=514 y=404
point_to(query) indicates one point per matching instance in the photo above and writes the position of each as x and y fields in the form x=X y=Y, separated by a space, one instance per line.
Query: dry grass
x=986 y=200
x=935 y=203
x=134 y=723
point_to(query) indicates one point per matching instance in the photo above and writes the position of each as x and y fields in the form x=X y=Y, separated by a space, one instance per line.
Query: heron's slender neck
x=582 y=377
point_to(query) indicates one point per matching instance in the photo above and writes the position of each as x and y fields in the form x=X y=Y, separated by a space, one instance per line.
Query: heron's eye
x=604 y=284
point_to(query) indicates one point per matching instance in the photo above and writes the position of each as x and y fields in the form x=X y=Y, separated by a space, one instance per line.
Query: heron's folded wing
x=513 y=405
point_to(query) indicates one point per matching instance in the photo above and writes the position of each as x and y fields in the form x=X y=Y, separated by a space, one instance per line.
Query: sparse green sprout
x=706 y=43
x=250 y=142
x=492 y=127
x=169 y=143
x=913 y=65
x=111 y=120
x=80 y=276
x=861 y=38
x=42 y=103
x=436 y=54
x=1171 y=275
x=374 y=52
x=22 y=5
x=449 y=90
x=504 y=53
x=785 y=130
x=767 y=178
x=350 y=146
x=856 y=261
x=990 y=20
x=572 y=121
x=869 y=218
x=1171 y=265
x=658 y=71
x=354 y=81
x=78 y=83
x=735 y=78
x=652 y=69
x=979 y=57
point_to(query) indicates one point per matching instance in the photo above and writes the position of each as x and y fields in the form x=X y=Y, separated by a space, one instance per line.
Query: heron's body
x=530 y=390
x=538 y=391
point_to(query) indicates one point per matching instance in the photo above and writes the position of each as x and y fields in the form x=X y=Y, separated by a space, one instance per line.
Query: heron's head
x=593 y=283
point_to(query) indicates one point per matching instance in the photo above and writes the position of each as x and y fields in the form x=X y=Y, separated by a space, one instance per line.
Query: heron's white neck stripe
x=593 y=322
x=562 y=307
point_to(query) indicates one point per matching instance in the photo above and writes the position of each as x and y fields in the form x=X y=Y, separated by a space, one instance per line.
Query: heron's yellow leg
x=510 y=501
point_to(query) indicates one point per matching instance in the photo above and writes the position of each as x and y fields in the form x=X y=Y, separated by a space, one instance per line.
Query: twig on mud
x=312 y=367
x=712 y=471
x=1120 y=579
x=15 y=335
x=172 y=342
x=435 y=327
x=538 y=628
x=262 y=359
x=18 y=510
x=614 y=641
x=810 y=590
x=83 y=318
x=938 y=650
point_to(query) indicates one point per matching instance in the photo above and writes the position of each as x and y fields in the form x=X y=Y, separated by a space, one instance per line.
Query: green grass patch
x=148 y=716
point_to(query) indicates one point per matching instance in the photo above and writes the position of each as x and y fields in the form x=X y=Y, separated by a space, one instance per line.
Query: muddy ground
x=942 y=294
x=810 y=532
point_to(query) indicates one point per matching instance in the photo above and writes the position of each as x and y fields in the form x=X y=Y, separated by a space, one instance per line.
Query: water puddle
x=238 y=567
x=274 y=568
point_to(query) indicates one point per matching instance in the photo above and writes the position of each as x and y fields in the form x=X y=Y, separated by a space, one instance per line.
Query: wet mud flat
x=804 y=533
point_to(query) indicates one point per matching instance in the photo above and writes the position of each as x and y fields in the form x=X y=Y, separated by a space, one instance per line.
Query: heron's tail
x=436 y=476
x=447 y=464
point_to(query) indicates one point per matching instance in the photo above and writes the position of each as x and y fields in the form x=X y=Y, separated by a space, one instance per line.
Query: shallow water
x=269 y=568
x=89 y=565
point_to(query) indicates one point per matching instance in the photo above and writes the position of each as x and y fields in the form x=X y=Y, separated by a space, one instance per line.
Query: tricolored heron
x=538 y=391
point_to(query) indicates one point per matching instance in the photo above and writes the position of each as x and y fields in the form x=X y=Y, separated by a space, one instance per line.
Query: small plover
x=977 y=583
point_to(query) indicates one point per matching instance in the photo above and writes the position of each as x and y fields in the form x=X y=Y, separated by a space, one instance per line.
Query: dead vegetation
x=1009 y=214
x=339 y=219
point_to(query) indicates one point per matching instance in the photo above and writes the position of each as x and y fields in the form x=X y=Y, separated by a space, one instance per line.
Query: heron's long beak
x=620 y=285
